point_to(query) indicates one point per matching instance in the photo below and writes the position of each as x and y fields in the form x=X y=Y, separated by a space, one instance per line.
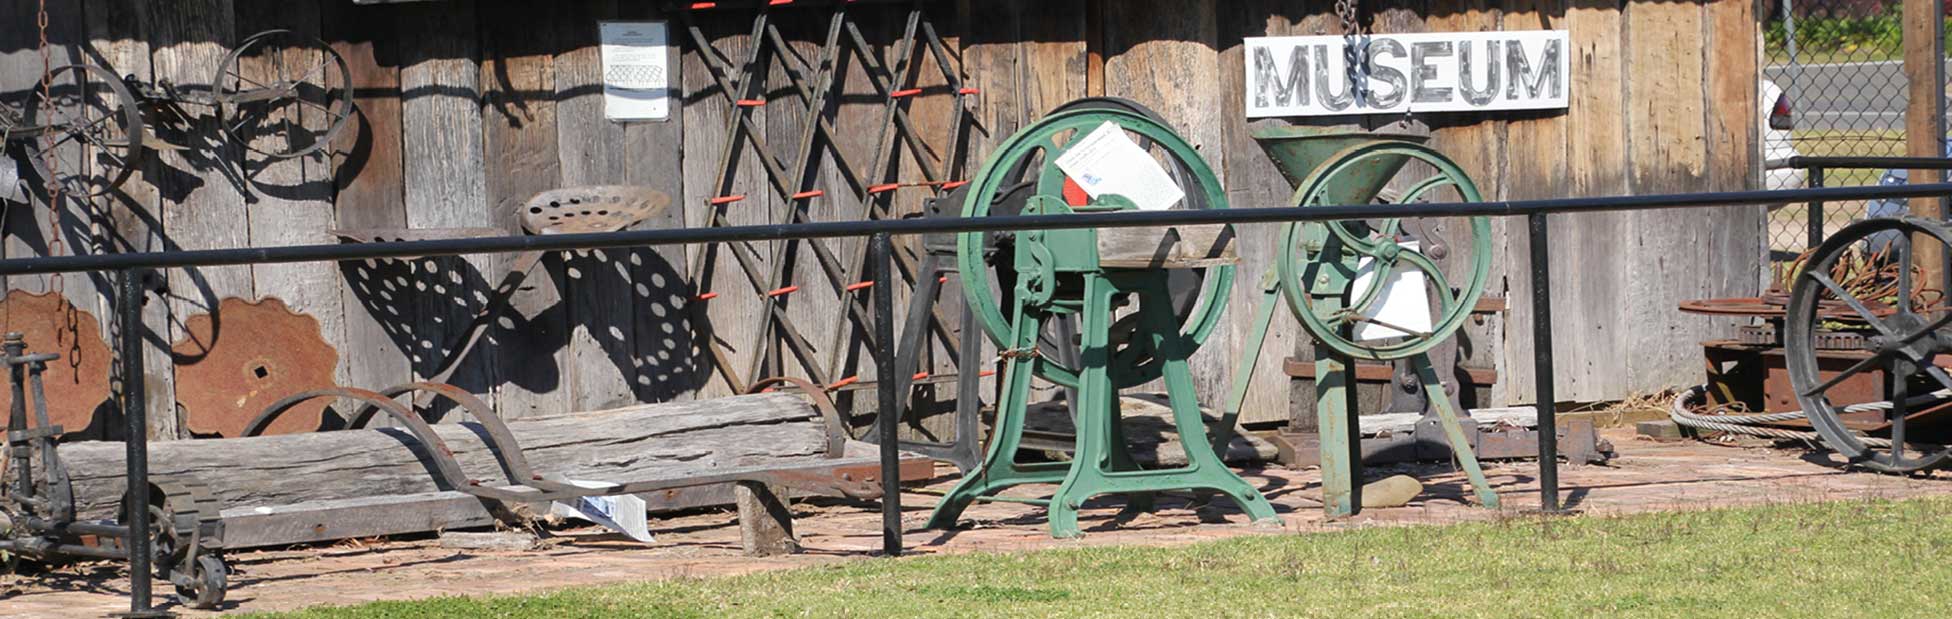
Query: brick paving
x=1647 y=476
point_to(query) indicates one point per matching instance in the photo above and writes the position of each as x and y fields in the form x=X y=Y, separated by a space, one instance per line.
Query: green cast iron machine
x=1119 y=286
x=1339 y=279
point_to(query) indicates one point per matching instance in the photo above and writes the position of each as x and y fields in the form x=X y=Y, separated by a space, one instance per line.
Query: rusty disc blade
x=598 y=208
x=232 y=365
x=77 y=383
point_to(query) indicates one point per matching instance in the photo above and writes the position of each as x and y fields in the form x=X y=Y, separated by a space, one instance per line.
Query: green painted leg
x=1335 y=417
x=1204 y=468
x=1120 y=455
x=999 y=469
x=1459 y=444
x=1098 y=412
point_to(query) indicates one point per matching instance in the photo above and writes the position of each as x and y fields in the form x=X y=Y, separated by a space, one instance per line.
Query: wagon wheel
x=89 y=125
x=1315 y=249
x=1903 y=338
x=277 y=88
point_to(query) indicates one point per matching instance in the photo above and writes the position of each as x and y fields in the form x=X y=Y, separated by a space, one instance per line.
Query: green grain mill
x=1119 y=286
x=1346 y=282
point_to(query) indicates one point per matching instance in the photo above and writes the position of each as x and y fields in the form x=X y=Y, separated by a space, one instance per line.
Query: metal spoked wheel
x=281 y=94
x=1353 y=246
x=209 y=580
x=85 y=133
x=1902 y=339
x=1038 y=149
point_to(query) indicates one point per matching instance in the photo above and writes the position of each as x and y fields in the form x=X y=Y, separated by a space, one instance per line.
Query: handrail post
x=1815 y=215
x=881 y=254
x=1548 y=423
x=135 y=507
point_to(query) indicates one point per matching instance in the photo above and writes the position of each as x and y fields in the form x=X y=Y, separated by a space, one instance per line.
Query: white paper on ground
x=1108 y=162
x=623 y=513
x=1403 y=301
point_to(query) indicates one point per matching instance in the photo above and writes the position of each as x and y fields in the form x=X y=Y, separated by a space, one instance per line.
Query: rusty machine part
x=76 y=384
x=37 y=511
x=236 y=361
x=600 y=208
x=1904 y=341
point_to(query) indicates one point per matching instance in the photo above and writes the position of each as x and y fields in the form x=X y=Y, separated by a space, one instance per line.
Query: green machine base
x=1131 y=330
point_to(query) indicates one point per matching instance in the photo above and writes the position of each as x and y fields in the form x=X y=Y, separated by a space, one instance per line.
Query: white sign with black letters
x=1423 y=72
x=636 y=71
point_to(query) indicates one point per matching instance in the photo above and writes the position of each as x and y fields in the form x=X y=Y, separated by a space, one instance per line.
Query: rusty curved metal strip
x=501 y=440
x=437 y=449
x=837 y=435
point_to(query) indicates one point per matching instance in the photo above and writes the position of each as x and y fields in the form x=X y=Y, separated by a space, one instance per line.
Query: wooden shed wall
x=468 y=107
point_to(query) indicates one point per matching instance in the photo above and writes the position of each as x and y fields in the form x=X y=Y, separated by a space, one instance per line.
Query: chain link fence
x=1833 y=84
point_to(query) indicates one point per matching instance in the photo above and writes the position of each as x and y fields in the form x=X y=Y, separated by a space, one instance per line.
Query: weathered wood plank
x=444 y=171
x=597 y=283
x=659 y=441
x=290 y=200
x=133 y=222
x=369 y=188
x=1164 y=57
x=519 y=125
x=1535 y=163
x=663 y=362
x=202 y=204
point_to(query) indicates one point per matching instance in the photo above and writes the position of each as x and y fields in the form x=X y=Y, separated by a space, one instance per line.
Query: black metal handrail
x=132 y=268
x=772 y=232
x=1816 y=167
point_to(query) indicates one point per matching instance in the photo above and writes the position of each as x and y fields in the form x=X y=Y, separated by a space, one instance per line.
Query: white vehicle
x=1777 y=145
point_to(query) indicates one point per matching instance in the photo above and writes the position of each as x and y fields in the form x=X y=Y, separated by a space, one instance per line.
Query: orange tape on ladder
x=883 y=188
x=905 y=93
x=782 y=291
x=844 y=382
x=859 y=286
x=705 y=297
x=986 y=373
x=969 y=91
x=751 y=102
x=919 y=376
x=954 y=184
x=703 y=5
x=809 y=194
x=726 y=199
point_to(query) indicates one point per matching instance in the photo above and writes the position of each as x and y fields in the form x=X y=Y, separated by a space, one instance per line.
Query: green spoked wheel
x=1028 y=160
x=1321 y=272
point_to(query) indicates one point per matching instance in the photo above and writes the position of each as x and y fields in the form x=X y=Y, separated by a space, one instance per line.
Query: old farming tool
x=78 y=384
x=1898 y=333
x=233 y=362
x=568 y=210
x=1348 y=282
x=38 y=520
x=1095 y=276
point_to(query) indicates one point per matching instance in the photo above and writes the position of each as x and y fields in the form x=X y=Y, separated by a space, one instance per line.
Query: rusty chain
x=1355 y=48
x=52 y=163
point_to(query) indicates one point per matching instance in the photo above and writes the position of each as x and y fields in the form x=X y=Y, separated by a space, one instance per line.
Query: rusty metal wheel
x=282 y=94
x=1901 y=337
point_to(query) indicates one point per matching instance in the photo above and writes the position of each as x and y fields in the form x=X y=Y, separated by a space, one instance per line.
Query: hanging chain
x=52 y=163
x=1355 y=50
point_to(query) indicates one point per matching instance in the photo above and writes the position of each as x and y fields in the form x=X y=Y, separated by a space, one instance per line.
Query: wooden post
x=765 y=524
x=1925 y=115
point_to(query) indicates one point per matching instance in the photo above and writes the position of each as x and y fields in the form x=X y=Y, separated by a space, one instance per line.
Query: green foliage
x=1866 y=558
x=1822 y=38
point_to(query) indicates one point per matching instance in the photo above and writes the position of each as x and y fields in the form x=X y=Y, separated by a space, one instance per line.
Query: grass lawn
x=1857 y=559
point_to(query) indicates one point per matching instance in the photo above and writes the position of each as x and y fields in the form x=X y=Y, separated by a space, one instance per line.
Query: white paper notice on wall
x=1401 y=308
x=1108 y=162
x=636 y=70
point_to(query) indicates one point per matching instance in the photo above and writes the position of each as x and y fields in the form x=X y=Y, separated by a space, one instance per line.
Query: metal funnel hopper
x=1298 y=150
